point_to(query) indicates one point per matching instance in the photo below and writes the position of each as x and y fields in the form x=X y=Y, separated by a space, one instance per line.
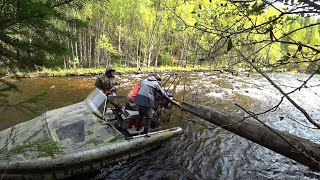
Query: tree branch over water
x=276 y=29
x=286 y=95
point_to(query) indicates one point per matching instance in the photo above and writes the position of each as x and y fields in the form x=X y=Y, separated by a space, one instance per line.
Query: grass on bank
x=59 y=72
x=99 y=70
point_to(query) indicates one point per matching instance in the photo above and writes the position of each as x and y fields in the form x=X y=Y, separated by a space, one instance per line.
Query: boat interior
x=124 y=120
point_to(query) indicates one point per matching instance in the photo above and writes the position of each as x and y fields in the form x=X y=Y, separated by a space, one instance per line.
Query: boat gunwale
x=93 y=154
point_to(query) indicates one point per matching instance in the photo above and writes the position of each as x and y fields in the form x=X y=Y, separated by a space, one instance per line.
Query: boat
x=75 y=139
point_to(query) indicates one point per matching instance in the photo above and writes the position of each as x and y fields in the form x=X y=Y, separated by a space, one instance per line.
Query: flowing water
x=203 y=151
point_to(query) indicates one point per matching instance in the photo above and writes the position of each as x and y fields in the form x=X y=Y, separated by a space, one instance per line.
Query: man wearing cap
x=108 y=82
x=145 y=99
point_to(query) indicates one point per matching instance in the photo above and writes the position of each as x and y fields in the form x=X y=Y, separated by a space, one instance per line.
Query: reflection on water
x=60 y=92
x=203 y=151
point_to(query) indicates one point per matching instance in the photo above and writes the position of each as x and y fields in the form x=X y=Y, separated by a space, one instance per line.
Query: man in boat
x=108 y=82
x=146 y=97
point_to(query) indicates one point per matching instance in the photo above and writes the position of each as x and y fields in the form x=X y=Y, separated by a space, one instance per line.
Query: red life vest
x=133 y=93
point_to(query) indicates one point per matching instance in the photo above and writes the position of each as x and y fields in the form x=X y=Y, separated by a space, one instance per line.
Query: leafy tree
x=31 y=36
x=294 y=32
x=250 y=31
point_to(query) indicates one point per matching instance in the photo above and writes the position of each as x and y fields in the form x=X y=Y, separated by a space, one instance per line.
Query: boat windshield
x=97 y=102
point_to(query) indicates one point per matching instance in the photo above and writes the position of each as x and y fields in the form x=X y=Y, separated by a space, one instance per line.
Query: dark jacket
x=105 y=83
x=147 y=92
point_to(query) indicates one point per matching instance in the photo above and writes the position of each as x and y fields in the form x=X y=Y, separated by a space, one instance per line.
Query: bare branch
x=280 y=90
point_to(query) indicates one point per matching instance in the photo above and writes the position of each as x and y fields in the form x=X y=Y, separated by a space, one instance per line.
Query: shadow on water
x=203 y=151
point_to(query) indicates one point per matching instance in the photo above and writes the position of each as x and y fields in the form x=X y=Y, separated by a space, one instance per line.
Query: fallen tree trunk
x=293 y=147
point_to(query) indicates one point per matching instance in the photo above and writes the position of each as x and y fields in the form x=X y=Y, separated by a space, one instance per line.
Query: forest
x=274 y=35
x=255 y=36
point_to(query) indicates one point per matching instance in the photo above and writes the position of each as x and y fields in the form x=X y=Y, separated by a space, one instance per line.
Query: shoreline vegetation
x=99 y=70
x=58 y=72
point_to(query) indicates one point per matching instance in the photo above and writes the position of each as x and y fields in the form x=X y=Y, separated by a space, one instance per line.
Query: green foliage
x=135 y=33
x=31 y=37
x=74 y=63
x=104 y=42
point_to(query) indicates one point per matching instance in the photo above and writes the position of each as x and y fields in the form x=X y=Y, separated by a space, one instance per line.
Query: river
x=203 y=151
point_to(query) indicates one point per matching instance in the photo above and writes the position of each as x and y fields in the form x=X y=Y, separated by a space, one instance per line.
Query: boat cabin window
x=97 y=102
x=75 y=132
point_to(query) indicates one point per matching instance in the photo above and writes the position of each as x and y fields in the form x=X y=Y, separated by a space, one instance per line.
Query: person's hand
x=112 y=90
x=107 y=92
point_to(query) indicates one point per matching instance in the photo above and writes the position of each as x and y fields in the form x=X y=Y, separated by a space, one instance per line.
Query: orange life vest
x=133 y=93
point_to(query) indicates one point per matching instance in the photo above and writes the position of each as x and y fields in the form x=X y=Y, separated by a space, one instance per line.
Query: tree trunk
x=144 y=57
x=181 y=52
x=293 y=147
x=80 y=48
x=119 y=41
x=97 y=59
x=95 y=51
x=85 y=49
x=76 y=51
x=90 y=50
x=72 y=53
x=67 y=57
x=138 y=54
x=158 y=53
x=150 y=54
x=186 y=55
x=196 y=52
x=65 y=62
x=127 y=56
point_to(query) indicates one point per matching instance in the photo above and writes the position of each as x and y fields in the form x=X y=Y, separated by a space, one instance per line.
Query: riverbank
x=58 y=72
x=99 y=70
